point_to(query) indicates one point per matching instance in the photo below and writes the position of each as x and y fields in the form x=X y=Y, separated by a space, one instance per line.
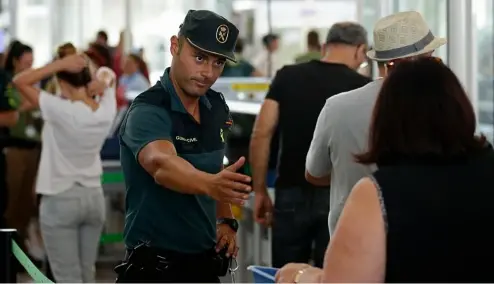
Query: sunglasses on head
x=393 y=63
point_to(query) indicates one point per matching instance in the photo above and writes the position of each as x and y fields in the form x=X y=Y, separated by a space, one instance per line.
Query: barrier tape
x=31 y=269
x=36 y=275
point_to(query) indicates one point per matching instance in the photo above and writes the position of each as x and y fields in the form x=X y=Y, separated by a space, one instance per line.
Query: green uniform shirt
x=308 y=56
x=164 y=218
x=29 y=123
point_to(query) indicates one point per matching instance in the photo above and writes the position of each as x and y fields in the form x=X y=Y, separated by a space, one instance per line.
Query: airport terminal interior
x=273 y=33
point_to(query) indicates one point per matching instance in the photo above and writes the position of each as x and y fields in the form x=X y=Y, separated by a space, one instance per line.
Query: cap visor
x=228 y=55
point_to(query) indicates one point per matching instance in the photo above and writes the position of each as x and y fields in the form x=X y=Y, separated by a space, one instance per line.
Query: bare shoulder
x=364 y=189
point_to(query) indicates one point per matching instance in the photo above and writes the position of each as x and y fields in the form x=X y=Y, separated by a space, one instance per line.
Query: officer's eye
x=220 y=63
x=199 y=58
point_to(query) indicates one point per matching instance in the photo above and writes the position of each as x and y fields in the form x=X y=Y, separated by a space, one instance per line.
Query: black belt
x=143 y=256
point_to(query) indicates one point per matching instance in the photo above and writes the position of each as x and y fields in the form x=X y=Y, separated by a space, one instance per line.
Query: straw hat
x=403 y=34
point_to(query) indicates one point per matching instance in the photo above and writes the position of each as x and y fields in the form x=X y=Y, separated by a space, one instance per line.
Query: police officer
x=179 y=226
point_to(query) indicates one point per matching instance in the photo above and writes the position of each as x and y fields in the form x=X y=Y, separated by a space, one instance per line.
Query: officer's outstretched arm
x=159 y=158
x=147 y=133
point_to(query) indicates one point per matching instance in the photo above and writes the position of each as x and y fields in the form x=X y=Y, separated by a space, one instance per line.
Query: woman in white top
x=76 y=123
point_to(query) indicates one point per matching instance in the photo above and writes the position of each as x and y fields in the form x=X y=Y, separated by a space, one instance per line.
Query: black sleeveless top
x=439 y=216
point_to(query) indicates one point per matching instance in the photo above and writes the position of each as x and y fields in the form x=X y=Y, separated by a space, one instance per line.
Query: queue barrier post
x=8 y=273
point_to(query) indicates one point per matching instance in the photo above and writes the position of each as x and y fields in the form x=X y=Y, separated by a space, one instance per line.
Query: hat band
x=407 y=49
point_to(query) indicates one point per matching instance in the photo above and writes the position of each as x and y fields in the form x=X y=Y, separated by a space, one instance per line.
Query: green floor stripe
x=31 y=269
x=113 y=177
x=111 y=238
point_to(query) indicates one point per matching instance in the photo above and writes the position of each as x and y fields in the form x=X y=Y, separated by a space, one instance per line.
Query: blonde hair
x=65 y=50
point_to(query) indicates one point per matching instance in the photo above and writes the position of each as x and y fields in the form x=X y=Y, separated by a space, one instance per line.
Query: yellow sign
x=237 y=212
x=250 y=87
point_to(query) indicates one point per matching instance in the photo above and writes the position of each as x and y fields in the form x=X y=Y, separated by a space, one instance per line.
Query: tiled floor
x=103 y=275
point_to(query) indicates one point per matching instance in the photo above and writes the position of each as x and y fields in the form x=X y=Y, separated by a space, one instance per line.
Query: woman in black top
x=424 y=215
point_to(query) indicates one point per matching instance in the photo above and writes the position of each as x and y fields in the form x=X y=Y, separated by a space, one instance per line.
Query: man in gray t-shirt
x=341 y=131
x=343 y=125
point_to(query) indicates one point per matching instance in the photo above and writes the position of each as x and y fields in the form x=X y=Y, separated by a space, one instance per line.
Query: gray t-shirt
x=342 y=131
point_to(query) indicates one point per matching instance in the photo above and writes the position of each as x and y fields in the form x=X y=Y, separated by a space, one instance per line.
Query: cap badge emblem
x=222 y=33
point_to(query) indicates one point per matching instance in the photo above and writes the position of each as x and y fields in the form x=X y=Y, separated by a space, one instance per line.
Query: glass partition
x=291 y=20
x=483 y=11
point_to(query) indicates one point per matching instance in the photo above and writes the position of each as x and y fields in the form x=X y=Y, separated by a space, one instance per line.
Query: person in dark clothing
x=241 y=68
x=421 y=216
x=294 y=100
x=22 y=155
x=8 y=118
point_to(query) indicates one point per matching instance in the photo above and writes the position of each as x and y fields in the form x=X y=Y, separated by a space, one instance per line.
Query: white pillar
x=462 y=45
x=13 y=5
x=471 y=54
x=128 y=26
x=224 y=8
x=79 y=8
x=457 y=40
x=385 y=8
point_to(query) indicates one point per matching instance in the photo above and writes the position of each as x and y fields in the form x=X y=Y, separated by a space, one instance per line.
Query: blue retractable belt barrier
x=263 y=274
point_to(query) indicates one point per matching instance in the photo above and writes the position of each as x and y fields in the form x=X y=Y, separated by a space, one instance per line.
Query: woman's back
x=73 y=135
x=438 y=215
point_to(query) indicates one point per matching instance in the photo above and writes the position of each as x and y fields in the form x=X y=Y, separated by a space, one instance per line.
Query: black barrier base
x=8 y=270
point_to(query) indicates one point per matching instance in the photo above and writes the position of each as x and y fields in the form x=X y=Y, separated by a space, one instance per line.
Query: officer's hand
x=263 y=208
x=226 y=237
x=228 y=186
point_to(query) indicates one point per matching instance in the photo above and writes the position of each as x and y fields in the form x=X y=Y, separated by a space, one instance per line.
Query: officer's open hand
x=226 y=237
x=228 y=186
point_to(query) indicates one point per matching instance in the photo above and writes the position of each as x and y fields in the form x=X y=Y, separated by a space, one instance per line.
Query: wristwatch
x=232 y=223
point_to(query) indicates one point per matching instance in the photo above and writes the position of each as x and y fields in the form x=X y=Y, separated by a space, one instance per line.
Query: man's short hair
x=103 y=35
x=239 y=46
x=267 y=39
x=347 y=33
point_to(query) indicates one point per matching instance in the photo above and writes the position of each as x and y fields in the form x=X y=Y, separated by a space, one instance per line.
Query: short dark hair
x=313 y=39
x=422 y=112
x=239 y=46
x=347 y=33
x=102 y=34
x=267 y=39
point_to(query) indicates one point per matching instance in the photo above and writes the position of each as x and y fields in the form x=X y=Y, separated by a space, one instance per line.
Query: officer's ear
x=174 y=45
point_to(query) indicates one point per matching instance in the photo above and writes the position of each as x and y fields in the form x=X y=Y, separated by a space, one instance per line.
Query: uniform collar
x=176 y=103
